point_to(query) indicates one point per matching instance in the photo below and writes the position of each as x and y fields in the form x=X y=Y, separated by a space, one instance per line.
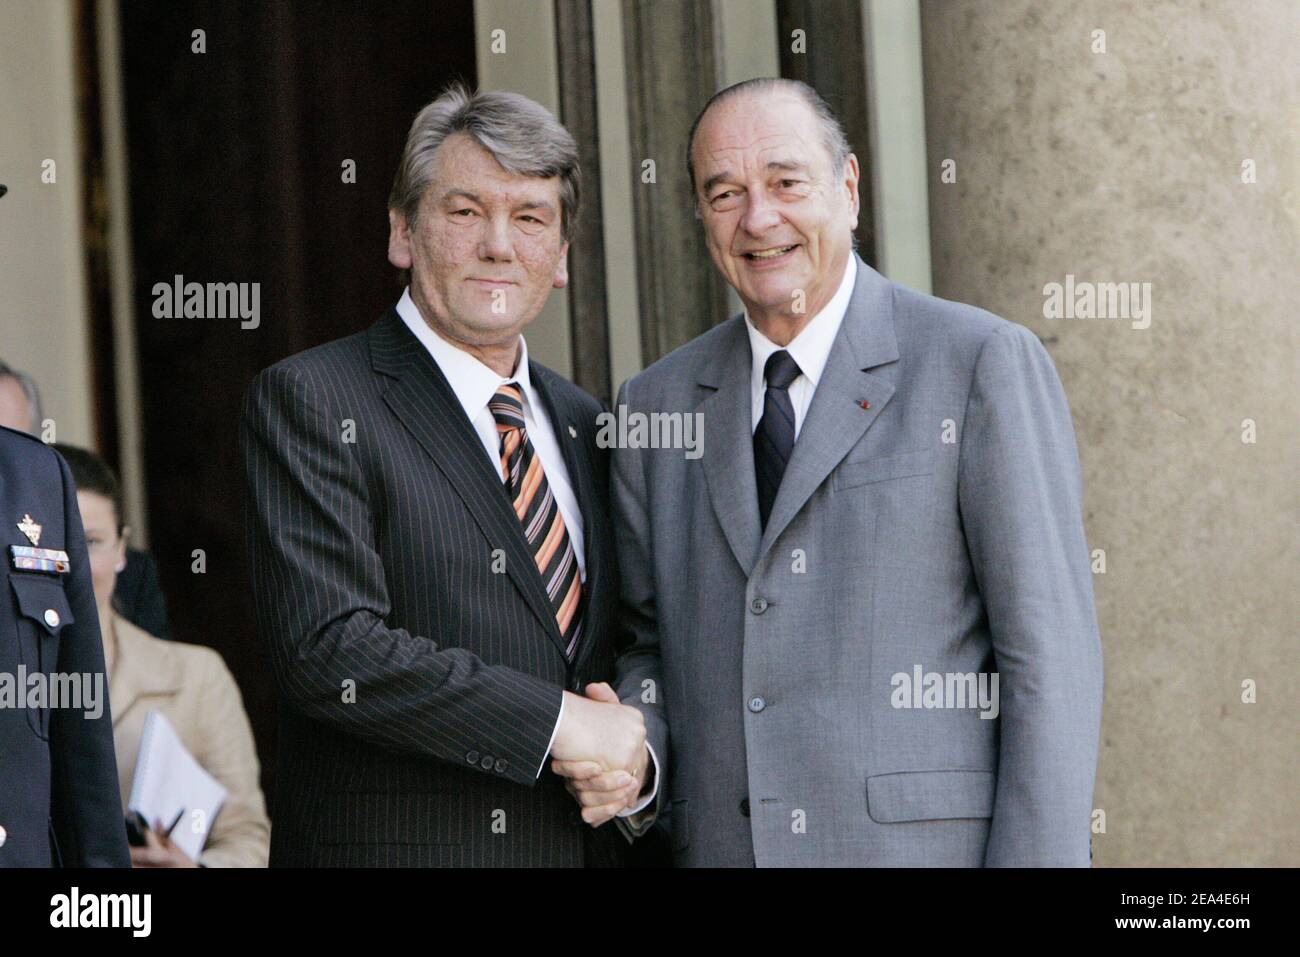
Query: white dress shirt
x=810 y=349
x=474 y=385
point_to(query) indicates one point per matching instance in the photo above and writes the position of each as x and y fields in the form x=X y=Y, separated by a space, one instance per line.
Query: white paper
x=168 y=781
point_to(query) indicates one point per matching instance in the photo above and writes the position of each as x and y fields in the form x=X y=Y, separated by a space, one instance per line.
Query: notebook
x=169 y=783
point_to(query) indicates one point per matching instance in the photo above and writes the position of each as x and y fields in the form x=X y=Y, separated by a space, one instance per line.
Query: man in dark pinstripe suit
x=429 y=537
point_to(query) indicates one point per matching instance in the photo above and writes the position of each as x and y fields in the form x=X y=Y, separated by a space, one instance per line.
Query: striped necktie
x=539 y=514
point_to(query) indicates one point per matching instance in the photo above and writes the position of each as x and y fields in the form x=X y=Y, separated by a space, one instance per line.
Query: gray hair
x=832 y=133
x=33 y=394
x=523 y=136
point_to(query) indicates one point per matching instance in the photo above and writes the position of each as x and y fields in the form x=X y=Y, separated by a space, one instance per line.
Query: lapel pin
x=864 y=403
x=573 y=433
x=30 y=529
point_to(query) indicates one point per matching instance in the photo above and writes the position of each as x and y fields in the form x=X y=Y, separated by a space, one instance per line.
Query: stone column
x=1153 y=142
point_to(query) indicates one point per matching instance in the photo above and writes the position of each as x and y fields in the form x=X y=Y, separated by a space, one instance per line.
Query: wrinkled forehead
x=750 y=130
x=464 y=167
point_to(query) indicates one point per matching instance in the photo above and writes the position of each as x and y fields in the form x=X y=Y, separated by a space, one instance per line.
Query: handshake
x=600 y=751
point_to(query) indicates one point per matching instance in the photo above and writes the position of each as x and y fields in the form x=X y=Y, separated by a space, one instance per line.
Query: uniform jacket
x=59 y=804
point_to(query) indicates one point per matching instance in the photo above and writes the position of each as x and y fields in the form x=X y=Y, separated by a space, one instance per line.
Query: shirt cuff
x=556 y=730
x=649 y=798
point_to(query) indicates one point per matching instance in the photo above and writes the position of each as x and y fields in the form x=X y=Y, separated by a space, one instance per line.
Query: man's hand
x=605 y=766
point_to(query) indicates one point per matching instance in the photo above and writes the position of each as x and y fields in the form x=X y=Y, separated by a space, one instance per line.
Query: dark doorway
x=236 y=161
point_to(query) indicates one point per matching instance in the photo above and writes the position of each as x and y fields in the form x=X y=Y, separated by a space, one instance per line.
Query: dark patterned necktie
x=774 y=437
x=539 y=514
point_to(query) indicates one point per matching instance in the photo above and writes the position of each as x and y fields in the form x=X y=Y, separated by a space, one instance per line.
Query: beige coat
x=194 y=690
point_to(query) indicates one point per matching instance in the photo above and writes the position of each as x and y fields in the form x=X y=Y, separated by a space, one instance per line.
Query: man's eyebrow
x=715 y=179
x=535 y=204
x=789 y=166
x=475 y=198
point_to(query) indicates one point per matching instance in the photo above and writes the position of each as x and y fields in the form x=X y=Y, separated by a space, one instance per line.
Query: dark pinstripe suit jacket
x=417 y=659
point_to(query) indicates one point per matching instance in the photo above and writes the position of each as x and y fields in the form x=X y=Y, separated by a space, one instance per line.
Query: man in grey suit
x=862 y=627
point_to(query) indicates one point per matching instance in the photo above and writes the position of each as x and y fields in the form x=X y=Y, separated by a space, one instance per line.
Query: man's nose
x=760 y=214
x=495 y=243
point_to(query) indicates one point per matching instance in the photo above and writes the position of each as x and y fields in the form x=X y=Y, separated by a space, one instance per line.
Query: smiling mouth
x=765 y=254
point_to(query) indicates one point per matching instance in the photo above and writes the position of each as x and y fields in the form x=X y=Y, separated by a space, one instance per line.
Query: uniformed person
x=59 y=803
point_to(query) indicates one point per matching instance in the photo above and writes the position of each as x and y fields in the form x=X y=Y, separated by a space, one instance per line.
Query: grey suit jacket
x=930 y=519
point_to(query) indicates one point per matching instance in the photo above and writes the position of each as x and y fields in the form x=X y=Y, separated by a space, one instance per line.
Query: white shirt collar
x=473 y=382
x=812 y=346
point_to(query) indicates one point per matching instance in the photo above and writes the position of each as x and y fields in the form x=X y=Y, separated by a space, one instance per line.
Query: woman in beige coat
x=189 y=684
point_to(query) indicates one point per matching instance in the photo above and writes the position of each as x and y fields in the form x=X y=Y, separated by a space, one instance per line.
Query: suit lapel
x=424 y=402
x=729 y=438
x=847 y=401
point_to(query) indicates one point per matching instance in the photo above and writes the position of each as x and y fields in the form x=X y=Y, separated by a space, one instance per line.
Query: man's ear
x=399 y=240
x=562 y=268
x=851 y=173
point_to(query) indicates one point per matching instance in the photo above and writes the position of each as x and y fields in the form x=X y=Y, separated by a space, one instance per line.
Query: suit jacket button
x=757 y=704
x=51 y=618
x=501 y=766
x=758 y=606
x=486 y=763
x=4 y=836
x=744 y=806
x=472 y=757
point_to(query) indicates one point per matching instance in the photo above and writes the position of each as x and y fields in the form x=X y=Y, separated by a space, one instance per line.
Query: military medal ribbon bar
x=39 y=559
